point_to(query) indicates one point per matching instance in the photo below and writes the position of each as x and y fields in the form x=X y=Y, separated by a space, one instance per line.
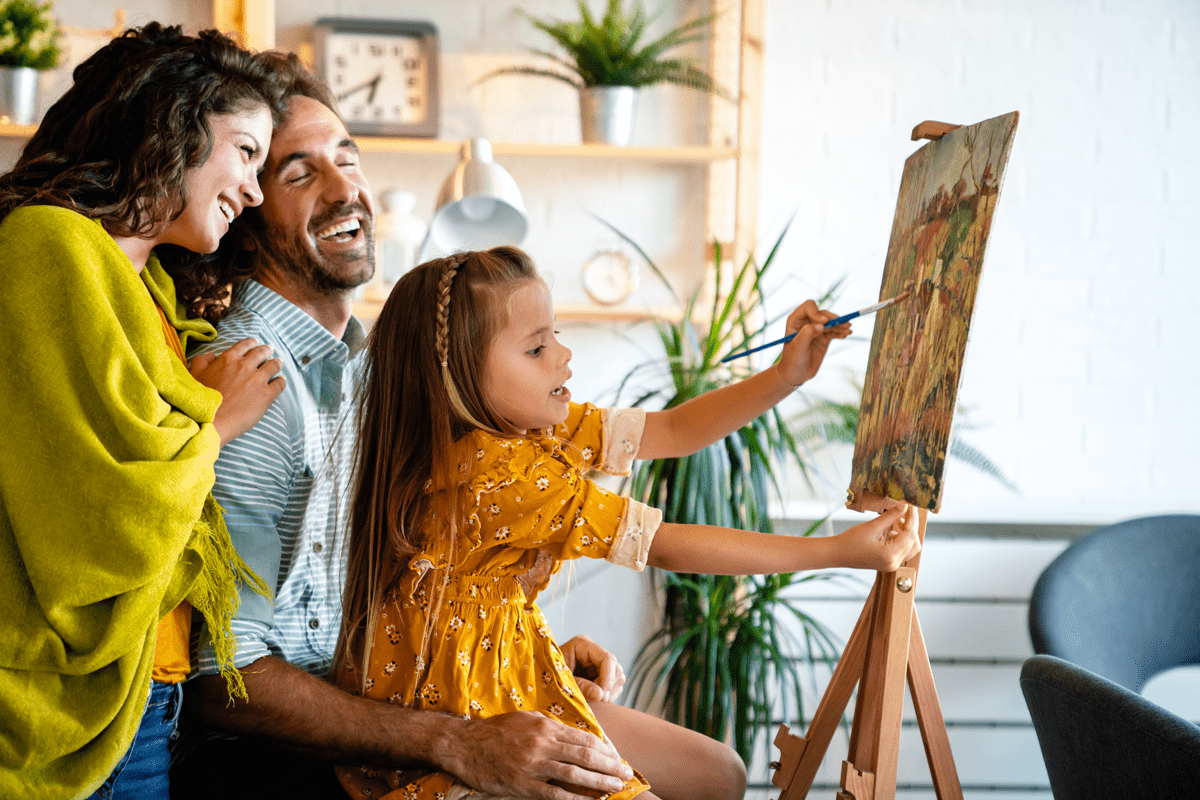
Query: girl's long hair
x=412 y=410
x=116 y=147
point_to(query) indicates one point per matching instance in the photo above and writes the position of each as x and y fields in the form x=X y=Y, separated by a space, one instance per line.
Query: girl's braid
x=453 y=263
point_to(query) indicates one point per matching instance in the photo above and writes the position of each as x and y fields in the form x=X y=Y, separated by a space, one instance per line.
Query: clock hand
x=373 y=83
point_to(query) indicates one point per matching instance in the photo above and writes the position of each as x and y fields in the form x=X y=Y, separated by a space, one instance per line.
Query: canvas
x=948 y=195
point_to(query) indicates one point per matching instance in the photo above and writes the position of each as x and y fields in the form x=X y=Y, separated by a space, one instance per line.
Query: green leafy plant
x=610 y=52
x=29 y=35
x=724 y=661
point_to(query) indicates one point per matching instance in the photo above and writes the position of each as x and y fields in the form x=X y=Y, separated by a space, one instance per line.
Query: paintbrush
x=831 y=324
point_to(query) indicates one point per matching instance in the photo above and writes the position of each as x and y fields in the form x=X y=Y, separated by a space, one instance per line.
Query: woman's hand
x=883 y=543
x=249 y=381
x=803 y=355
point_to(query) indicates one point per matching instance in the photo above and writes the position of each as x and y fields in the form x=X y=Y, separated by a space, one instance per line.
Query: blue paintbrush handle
x=833 y=323
x=784 y=340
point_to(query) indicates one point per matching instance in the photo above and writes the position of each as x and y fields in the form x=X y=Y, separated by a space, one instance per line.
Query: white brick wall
x=1082 y=374
x=1082 y=368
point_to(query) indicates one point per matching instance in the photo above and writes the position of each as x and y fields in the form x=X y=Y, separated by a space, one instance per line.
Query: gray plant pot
x=606 y=114
x=18 y=94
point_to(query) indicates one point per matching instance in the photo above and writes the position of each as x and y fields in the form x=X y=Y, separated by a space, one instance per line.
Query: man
x=285 y=486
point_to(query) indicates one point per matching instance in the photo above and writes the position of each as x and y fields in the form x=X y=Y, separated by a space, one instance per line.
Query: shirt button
x=318 y=547
x=304 y=359
x=314 y=623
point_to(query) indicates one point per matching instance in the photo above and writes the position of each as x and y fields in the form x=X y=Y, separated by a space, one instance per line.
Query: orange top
x=172 y=656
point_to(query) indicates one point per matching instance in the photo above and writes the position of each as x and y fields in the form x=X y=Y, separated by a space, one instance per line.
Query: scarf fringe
x=215 y=591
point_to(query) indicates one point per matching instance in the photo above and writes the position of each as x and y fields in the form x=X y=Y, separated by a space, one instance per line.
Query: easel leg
x=930 y=720
x=800 y=757
x=875 y=742
x=886 y=643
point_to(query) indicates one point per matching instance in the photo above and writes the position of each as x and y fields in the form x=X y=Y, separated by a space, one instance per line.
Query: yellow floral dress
x=490 y=650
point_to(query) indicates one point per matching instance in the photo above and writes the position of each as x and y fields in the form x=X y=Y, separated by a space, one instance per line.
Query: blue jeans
x=142 y=773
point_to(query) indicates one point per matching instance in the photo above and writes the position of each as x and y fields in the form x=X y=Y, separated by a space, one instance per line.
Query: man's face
x=317 y=208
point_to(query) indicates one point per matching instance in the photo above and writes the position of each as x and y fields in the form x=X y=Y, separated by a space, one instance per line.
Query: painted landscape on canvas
x=948 y=195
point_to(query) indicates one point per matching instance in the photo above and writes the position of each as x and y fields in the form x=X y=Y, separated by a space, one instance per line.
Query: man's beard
x=328 y=275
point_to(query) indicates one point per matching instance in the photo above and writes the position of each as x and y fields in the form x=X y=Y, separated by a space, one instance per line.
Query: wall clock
x=609 y=277
x=384 y=73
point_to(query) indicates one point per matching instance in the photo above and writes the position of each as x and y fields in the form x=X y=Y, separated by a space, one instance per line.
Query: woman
x=109 y=536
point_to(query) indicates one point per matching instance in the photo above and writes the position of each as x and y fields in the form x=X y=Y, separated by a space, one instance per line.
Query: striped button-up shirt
x=285 y=484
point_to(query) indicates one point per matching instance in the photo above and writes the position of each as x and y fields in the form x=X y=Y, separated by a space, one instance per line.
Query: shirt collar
x=306 y=340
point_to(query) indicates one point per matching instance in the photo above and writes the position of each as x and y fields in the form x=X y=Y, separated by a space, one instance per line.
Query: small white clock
x=384 y=73
x=609 y=277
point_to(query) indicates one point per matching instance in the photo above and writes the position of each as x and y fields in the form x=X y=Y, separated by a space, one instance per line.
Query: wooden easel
x=885 y=646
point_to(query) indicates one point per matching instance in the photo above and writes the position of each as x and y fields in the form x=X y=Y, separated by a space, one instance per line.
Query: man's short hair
x=296 y=80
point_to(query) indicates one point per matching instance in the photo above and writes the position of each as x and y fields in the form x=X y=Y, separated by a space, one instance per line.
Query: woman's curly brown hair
x=116 y=147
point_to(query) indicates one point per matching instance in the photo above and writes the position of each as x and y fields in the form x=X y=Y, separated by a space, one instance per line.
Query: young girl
x=471 y=492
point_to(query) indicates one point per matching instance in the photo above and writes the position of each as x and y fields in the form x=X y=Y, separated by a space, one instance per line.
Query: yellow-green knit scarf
x=107 y=521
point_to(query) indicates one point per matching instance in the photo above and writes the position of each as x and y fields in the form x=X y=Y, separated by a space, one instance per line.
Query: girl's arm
x=683 y=430
x=882 y=544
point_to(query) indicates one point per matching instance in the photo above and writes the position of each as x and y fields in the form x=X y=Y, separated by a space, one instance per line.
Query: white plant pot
x=606 y=114
x=18 y=94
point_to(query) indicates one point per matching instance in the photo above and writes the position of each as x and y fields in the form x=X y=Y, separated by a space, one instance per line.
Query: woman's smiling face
x=227 y=182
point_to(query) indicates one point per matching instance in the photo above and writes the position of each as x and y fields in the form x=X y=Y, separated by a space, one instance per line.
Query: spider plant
x=724 y=661
x=610 y=52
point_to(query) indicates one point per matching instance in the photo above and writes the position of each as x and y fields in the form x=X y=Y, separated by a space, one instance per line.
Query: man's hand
x=596 y=670
x=524 y=754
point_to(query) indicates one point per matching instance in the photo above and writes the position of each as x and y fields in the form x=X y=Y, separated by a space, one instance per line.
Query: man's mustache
x=340 y=212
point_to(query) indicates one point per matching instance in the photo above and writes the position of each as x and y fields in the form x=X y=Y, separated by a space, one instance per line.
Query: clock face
x=609 y=277
x=383 y=73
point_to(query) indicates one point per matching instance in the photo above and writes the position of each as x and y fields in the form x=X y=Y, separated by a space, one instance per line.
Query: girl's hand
x=883 y=543
x=596 y=670
x=803 y=355
x=248 y=380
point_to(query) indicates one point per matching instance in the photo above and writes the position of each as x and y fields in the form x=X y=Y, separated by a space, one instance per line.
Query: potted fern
x=607 y=61
x=29 y=44
x=724 y=658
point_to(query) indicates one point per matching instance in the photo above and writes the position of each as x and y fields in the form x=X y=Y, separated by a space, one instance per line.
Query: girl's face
x=526 y=367
x=225 y=183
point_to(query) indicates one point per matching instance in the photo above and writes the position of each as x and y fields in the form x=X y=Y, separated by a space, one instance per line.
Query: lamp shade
x=479 y=206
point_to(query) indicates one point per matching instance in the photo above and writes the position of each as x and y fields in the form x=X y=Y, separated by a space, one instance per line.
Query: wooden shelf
x=695 y=154
x=12 y=131
x=367 y=310
x=691 y=154
x=590 y=312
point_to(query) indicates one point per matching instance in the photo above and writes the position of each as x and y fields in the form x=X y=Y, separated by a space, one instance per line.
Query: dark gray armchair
x=1123 y=601
x=1101 y=741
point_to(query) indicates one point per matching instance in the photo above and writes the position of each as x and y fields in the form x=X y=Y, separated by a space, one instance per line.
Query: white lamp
x=479 y=206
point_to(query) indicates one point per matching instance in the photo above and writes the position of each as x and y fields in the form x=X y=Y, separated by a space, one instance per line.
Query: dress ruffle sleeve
x=532 y=493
